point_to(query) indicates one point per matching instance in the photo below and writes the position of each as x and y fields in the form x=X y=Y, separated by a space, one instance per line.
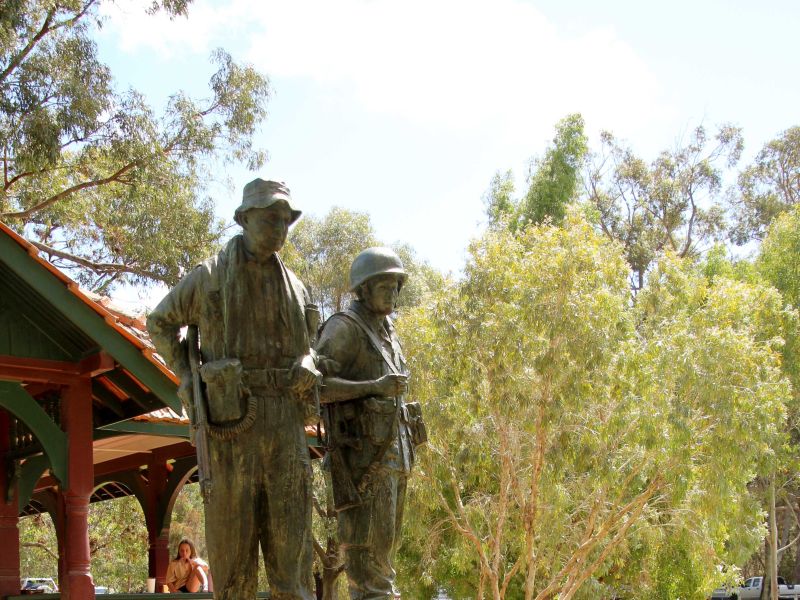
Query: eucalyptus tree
x=672 y=204
x=554 y=180
x=91 y=174
x=767 y=188
x=321 y=250
x=583 y=446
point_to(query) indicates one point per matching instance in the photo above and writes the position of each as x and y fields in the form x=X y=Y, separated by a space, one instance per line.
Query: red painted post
x=9 y=517
x=76 y=417
x=159 y=557
x=158 y=535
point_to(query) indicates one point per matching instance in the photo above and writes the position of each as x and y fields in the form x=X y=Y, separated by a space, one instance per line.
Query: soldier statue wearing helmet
x=256 y=325
x=372 y=431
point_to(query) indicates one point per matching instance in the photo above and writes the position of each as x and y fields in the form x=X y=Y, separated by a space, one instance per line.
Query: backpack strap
x=376 y=343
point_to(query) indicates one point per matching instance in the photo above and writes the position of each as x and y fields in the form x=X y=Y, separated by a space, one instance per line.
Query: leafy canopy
x=768 y=187
x=672 y=204
x=91 y=174
x=582 y=445
x=553 y=182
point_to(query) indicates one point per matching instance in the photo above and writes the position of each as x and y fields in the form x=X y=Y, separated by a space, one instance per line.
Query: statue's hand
x=328 y=367
x=391 y=385
x=304 y=375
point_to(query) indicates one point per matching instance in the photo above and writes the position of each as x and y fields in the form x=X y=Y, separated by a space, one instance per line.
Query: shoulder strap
x=376 y=343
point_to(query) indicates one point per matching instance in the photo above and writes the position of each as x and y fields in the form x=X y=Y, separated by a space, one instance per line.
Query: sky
x=407 y=109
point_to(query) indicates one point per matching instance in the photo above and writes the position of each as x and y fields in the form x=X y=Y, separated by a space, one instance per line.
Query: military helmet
x=376 y=261
x=262 y=194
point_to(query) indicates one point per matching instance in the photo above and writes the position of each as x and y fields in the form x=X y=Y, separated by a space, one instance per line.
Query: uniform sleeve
x=337 y=342
x=180 y=307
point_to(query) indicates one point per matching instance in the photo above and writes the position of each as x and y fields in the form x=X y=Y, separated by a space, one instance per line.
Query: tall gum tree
x=581 y=445
x=767 y=188
x=672 y=204
x=99 y=182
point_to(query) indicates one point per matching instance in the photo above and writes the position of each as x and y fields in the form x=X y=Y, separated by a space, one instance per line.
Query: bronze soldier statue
x=256 y=325
x=372 y=432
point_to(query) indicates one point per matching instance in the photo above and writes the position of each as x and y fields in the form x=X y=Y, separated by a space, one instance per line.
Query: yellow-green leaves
x=581 y=444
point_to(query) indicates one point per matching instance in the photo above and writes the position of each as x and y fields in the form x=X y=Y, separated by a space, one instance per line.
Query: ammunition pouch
x=378 y=419
x=412 y=415
x=223 y=379
x=231 y=407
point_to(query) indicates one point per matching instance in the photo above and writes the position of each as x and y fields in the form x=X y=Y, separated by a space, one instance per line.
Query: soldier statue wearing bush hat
x=256 y=325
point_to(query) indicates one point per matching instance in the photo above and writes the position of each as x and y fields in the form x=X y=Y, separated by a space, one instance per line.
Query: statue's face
x=265 y=229
x=380 y=294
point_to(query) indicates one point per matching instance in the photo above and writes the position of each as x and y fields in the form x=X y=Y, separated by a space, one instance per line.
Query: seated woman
x=186 y=572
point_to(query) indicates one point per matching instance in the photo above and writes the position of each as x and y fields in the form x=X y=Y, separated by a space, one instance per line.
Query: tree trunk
x=796 y=572
x=769 y=585
x=331 y=569
x=329 y=588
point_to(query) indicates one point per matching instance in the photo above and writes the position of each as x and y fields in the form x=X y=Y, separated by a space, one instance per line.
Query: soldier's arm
x=177 y=309
x=338 y=340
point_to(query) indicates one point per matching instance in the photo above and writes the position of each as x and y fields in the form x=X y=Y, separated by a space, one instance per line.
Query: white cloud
x=469 y=65
x=133 y=29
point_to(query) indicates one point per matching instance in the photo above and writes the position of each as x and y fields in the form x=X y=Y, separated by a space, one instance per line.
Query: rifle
x=200 y=418
x=345 y=494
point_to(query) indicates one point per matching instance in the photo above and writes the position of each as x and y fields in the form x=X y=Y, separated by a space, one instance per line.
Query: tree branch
x=17 y=60
x=41 y=546
x=46 y=28
x=24 y=214
x=99 y=268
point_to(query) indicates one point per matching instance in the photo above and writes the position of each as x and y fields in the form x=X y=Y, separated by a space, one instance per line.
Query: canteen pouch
x=224 y=393
x=377 y=419
x=416 y=424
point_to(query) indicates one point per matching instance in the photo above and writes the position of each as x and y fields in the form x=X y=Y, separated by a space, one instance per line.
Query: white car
x=751 y=590
x=39 y=585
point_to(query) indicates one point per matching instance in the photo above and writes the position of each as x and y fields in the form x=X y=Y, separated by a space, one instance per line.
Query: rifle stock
x=200 y=418
x=345 y=494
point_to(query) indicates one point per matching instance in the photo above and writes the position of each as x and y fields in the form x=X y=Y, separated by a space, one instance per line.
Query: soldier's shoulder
x=339 y=324
x=208 y=269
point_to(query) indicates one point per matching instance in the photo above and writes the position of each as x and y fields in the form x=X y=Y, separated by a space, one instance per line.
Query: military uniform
x=370 y=530
x=255 y=311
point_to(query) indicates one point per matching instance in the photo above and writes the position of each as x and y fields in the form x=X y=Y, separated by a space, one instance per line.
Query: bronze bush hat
x=263 y=194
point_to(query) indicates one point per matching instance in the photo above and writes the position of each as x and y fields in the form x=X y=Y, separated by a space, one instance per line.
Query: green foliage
x=118 y=544
x=422 y=280
x=321 y=251
x=582 y=446
x=671 y=204
x=38 y=547
x=555 y=178
x=500 y=206
x=779 y=260
x=92 y=175
x=553 y=181
x=188 y=520
x=768 y=187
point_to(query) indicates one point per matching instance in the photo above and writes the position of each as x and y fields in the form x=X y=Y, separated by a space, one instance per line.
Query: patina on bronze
x=256 y=325
x=372 y=432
